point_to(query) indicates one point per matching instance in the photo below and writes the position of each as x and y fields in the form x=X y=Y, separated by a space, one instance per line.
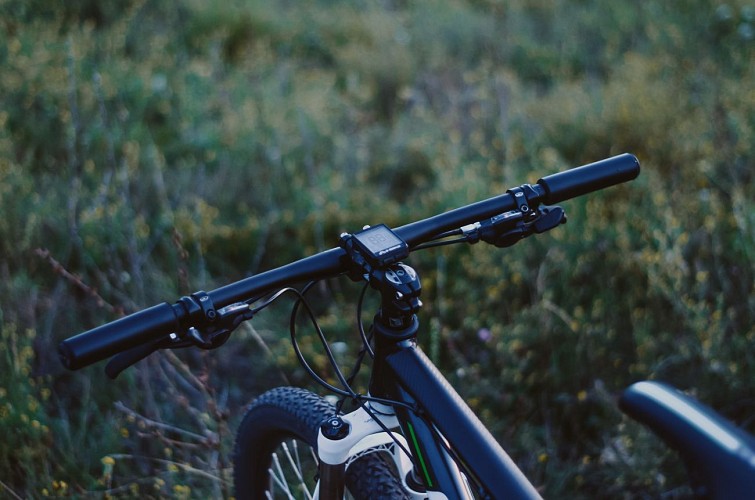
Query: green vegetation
x=151 y=148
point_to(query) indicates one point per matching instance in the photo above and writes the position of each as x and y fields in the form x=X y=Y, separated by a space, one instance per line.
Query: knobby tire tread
x=286 y=412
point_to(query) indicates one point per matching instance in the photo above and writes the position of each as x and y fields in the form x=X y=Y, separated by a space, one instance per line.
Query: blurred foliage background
x=149 y=149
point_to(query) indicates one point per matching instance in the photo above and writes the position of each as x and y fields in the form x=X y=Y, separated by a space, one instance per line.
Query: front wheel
x=276 y=451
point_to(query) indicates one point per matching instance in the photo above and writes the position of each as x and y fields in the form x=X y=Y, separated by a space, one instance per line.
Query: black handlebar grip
x=120 y=335
x=588 y=178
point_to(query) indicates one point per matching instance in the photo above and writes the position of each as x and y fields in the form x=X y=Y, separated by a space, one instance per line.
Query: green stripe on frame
x=419 y=454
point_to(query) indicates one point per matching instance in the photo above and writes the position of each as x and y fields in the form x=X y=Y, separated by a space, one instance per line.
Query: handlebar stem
x=400 y=288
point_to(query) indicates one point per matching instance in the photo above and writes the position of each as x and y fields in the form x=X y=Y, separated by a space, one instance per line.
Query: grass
x=154 y=149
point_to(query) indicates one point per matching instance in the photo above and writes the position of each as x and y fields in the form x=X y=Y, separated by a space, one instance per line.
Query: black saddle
x=720 y=457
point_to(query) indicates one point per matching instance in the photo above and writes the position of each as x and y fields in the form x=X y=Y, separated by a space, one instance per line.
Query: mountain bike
x=411 y=435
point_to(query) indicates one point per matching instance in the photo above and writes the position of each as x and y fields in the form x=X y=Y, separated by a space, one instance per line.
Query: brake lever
x=508 y=228
x=217 y=333
x=130 y=357
x=228 y=319
x=549 y=218
x=546 y=219
x=125 y=359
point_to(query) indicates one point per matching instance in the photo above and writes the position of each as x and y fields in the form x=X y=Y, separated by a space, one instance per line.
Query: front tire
x=276 y=451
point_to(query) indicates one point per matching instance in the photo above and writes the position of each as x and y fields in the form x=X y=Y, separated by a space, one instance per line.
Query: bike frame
x=443 y=426
x=411 y=377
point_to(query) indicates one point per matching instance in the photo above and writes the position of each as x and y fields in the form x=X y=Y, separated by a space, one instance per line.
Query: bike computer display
x=379 y=245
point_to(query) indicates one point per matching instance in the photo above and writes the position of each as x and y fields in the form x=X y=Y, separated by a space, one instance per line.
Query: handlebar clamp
x=521 y=199
x=208 y=308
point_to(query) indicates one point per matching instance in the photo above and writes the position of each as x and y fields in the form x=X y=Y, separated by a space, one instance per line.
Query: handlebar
x=161 y=320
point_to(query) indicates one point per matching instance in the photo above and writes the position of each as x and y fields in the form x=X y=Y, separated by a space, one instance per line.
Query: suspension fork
x=336 y=441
